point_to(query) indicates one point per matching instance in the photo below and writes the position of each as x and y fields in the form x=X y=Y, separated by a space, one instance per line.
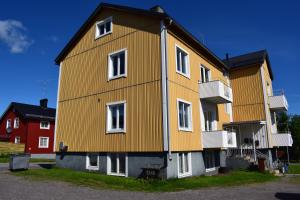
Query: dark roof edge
x=63 y=53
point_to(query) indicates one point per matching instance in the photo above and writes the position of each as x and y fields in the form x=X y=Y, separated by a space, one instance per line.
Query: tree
x=294 y=127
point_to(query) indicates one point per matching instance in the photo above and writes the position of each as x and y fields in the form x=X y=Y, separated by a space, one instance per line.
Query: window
x=44 y=125
x=227 y=108
x=117 y=164
x=116 y=117
x=8 y=123
x=117 y=64
x=184 y=115
x=184 y=164
x=43 y=142
x=208 y=120
x=17 y=140
x=205 y=74
x=92 y=161
x=182 y=62
x=211 y=160
x=103 y=27
x=16 y=122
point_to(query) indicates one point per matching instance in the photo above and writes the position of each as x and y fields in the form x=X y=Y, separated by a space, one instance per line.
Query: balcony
x=282 y=139
x=219 y=139
x=215 y=91
x=278 y=102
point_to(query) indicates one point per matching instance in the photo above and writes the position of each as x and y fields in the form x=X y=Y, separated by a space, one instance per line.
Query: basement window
x=182 y=62
x=17 y=140
x=44 y=125
x=103 y=27
x=92 y=161
x=184 y=164
x=184 y=109
x=116 y=164
x=116 y=117
x=117 y=64
x=43 y=142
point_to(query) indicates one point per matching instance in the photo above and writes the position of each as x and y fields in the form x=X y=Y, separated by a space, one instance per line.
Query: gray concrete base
x=44 y=156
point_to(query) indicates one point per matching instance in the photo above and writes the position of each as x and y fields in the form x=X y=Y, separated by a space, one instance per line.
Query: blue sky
x=33 y=32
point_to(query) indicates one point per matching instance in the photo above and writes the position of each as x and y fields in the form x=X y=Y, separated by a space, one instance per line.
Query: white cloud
x=54 y=38
x=12 y=33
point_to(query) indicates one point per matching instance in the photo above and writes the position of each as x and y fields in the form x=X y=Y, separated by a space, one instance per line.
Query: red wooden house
x=31 y=125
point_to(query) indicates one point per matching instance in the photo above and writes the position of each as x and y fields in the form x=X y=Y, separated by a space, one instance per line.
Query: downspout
x=165 y=89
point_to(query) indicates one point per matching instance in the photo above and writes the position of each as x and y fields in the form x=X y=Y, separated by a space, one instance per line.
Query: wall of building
x=188 y=90
x=248 y=99
x=85 y=89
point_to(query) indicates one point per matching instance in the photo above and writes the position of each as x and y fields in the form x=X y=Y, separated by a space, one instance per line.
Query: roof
x=28 y=111
x=150 y=13
x=257 y=57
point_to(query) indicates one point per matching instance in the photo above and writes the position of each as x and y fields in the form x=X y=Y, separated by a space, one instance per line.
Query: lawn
x=97 y=180
x=294 y=169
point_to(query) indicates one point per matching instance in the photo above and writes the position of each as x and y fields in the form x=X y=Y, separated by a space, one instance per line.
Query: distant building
x=30 y=125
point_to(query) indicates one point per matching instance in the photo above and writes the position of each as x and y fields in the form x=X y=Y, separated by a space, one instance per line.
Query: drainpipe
x=165 y=88
x=253 y=142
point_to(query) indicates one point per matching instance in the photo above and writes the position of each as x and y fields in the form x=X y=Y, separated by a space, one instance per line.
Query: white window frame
x=118 y=165
x=184 y=174
x=227 y=107
x=108 y=118
x=188 y=74
x=8 y=123
x=16 y=125
x=189 y=129
x=202 y=69
x=212 y=168
x=16 y=140
x=110 y=65
x=88 y=166
x=43 y=147
x=99 y=23
x=41 y=127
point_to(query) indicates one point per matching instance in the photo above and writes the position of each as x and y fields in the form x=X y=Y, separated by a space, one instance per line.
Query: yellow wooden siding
x=248 y=100
x=82 y=122
x=187 y=89
x=84 y=80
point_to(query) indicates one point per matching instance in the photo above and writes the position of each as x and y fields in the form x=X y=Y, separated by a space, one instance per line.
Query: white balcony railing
x=278 y=102
x=219 y=139
x=215 y=91
x=282 y=139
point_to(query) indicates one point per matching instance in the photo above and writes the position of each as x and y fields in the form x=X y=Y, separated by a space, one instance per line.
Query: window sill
x=115 y=174
x=43 y=147
x=100 y=36
x=185 y=75
x=117 y=77
x=116 y=131
x=184 y=175
x=185 y=130
x=45 y=128
x=210 y=169
x=90 y=168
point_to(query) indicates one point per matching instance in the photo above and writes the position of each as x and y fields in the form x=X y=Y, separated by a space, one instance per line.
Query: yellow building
x=138 y=92
x=254 y=107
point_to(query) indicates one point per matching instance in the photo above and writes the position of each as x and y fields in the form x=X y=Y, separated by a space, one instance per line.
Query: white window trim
x=188 y=75
x=8 y=123
x=210 y=169
x=110 y=65
x=186 y=174
x=190 y=129
x=108 y=120
x=97 y=32
x=108 y=168
x=43 y=147
x=88 y=167
x=209 y=73
x=16 y=140
x=15 y=124
x=48 y=127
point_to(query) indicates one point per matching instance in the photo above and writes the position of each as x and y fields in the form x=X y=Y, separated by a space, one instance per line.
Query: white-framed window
x=16 y=122
x=103 y=27
x=92 y=161
x=116 y=117
x=205 y=74
x=43 y=142
x=182 y=62
x=117 y=164
x=209 y=161
x=184 y=112
x=227 y=108
x=208 y=120
x=117 y=64
x=17 y=140
x=44 y=125
x=8 y=123
x=184 y=164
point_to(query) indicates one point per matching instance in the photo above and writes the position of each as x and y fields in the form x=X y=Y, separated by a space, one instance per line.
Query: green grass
x=97 y=180
x=294 y=169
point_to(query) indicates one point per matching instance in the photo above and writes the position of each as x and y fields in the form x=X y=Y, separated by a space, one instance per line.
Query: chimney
x=158 y=9
x=44 y=103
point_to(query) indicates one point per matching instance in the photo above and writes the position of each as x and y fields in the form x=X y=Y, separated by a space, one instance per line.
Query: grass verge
x=4 y=158
x=97 y=180
x=294 y=169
